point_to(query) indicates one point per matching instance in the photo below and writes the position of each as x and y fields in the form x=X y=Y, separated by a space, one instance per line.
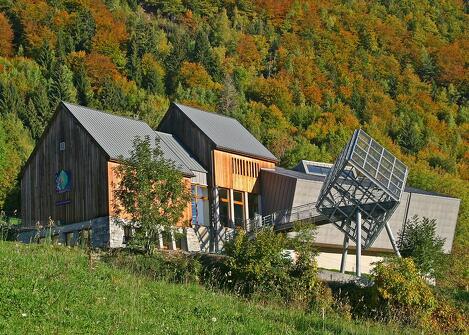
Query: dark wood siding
x=87 y=164
x=277 y=191
x=177 y=123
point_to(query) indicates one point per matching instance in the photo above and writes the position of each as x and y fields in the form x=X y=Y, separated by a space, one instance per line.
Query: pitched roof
x=173 y=145
x=226 y=133
x=115 y=135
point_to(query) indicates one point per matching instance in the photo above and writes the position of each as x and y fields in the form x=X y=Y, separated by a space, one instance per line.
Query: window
x=167 y=240
x=200 y=205
x=238 y=202
x=224 y=205
x=62 y=146
x=244 y=167
x=128 y=233
x=253 y=205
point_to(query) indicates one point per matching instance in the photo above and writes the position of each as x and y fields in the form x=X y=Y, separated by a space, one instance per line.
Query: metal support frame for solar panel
x=365 y=179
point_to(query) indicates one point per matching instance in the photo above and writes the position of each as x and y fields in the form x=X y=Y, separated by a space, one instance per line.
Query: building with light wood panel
x=69 y=178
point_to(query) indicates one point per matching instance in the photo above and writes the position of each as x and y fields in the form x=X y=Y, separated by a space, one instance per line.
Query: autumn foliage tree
x=6 y=42
x=300 y=75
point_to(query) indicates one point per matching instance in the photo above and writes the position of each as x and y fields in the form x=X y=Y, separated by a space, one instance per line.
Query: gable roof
x=173 y=145
x=115 y=135
x=226 y=133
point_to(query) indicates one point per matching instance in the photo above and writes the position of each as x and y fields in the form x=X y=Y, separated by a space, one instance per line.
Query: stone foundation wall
x=100 y=232
x=107 y=233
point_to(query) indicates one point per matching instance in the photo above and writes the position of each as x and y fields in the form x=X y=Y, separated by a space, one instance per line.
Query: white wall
x=332 y=261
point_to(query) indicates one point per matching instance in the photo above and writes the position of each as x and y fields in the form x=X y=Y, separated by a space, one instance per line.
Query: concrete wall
x=306 y=191
x=444 y=210
x=328 y=260
x=281 y=191
x=197 y=238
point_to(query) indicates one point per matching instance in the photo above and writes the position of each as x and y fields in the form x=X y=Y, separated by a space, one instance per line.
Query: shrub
x=447 y=319
x=418 y=240
x=259 y=266
x=402 y=294
x=8 y=225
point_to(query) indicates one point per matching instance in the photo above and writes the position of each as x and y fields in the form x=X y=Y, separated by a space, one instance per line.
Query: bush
x=260 y=266
x=257 y=265
x=7 y=226
x=447 y=319
x=402 y=294
x=418 y=240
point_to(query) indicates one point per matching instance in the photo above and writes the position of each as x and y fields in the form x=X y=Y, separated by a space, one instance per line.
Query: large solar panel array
x=366 y=178
x=379 y=164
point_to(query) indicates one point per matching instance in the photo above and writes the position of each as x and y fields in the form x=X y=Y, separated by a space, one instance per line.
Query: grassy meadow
x=47 y=289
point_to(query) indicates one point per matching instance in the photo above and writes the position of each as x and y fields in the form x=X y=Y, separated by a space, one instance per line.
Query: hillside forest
x=300 y=75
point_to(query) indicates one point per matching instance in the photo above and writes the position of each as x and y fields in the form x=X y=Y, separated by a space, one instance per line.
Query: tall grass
x=47 y=289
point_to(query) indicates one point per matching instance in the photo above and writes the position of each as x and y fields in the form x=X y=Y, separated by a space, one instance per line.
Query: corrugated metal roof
x=227 y=133
x=179 y=151
x=115 y=134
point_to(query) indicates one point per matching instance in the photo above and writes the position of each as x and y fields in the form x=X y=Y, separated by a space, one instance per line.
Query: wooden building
x=69 y=178
x=233 y=158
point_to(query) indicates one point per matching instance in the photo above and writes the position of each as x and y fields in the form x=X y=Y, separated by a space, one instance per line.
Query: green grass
x=52 y=290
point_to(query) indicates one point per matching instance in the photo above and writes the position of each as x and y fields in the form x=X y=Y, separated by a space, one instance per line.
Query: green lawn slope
x=52 y=290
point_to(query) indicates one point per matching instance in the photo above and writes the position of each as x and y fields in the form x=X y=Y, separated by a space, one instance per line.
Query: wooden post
x=246 y=209
x=231 y=202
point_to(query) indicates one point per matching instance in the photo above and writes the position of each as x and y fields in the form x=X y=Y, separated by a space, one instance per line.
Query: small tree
x=151 y=193
x=419 y=241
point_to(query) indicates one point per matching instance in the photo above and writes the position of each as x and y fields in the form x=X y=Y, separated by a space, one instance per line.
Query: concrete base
x=107 y=233
x=332 y=261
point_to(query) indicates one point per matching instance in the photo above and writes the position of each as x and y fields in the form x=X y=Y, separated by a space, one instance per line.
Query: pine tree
x=61 y=87
x=83 y=86
x=43 y=108
x=83 y=30
x=47 y=59
x=11 y=102
x=221 y=33
x=33 y=121
x=202 y=48
x=229 y=98
x=112 y=97
x=134 y=69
